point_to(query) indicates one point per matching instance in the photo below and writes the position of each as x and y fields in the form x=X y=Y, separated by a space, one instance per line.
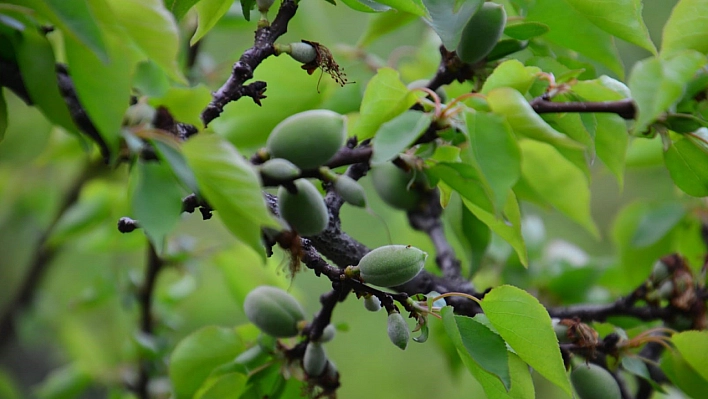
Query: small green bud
x=372 y=303
x=327 y=334
x=315 y=359
x=305 y=211
x=279 y=169
x=350 y=191
x=391 y=265
x=302 y=52
x=264 y=5
x=594 y=382
x=273 y=311
x=398 y=330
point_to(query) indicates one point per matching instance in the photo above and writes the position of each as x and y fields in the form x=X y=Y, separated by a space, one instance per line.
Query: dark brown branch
x=243 y=69
x=624 y=108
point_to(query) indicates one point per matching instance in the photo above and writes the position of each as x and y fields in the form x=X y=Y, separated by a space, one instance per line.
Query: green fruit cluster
x=399 y=189
x=305 y=210
x=391 y=265
x=481 y=33
x=308 y=139
x=594 y=382
x=273 y=311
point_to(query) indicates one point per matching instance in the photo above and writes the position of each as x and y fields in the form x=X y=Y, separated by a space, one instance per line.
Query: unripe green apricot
x=481 y=33
x=327 y=334
x=273 y=311
x=396 y=187
x=308 y=139
x=391 y=265
x=303 y=52
x=594 y=382
x=264 y=5
x=561 y=331
x=305 y=211
x=372 y=303
x=315 y=359
x=279 y=169
x=350 y=191
x=398 y=330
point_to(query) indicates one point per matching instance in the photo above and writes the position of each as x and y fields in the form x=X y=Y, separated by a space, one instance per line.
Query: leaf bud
x=327 y=334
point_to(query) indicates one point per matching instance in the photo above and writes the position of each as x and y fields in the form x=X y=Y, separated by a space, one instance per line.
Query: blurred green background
x=80 y=330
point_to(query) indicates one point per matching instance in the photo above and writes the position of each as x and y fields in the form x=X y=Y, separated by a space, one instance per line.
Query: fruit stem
x=281 y=48
x=460 y=294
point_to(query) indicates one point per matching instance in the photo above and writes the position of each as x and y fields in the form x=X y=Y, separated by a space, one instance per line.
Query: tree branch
x=624 y=108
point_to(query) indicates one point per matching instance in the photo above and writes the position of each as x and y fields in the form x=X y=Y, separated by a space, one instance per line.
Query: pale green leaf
x=382 y=24
x=687 y=163
x=410 y=6
x=657 y=223
x=685 y=377
x=185 y=103
x=524 y=120
x=511 y=73
x=229 y=385
x=687 y=28
x=67 y=382
x=526 y=326
x=658 y=83
x=521 y=383
x=385 y=98
x=231 y=186
x=209 y=12
x=447 y=22
x=693 y=346
x=398 y=134
x=621 y=18
x=611 y=142
x=558 y=182
x=154 y=29
x=198 y=354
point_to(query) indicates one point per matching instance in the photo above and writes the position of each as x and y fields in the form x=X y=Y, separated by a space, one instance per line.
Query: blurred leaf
x=494 y=148
x=382 y=24
x=687 y=28
x=524 y=120
x=229 y=385
x=398 y=134
x=521 y=383
x=526 y=326
x=150 y=80
x=687 y=163
x=657 y=223
x=90 y=211
x=385 y=98
x=558 y=182
x=153 y=29
x=67 y=382
x=246 y=7
x=525 y=30
x=194 y=358
x=562 y=19
x=231 y=186
x=179 y=8
x=35 y=58
x=573 y=283
x=611 y=142
x=506 y=47
x=693 y=347
x=366 y=5
x=410 y=6
x=466 y=180
x=3 y=116
x=185 y=103
x=448 y=22
x=8 y=389
x=511 y=73
x=658 y=83
x=157 y=201
x=683 y=375
x=622 y=18
x=209 y=12
x=508 y=228
x=636 y=366
x=177 y=163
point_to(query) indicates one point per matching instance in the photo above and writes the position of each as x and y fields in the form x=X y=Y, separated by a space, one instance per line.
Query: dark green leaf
x=180 y=7
x=246 y=7
x=76 y=19
x=687 y=162
x=525 y=30
x=506 y=47
x=449 y=23
x=177 y=163
x=398 y=134
x=485 y=347
x=466 y=180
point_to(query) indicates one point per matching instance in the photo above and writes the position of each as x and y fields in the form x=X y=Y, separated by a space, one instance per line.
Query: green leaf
x=524 y=120
x=77 y=20
x=687 y=28
x=467 y=180
x=167 y=152
x=496 y=152
x=154 y=29
x=693 y=346
x=231 y=186
x=561 y=18
x=209 y=12
x=3 y=116
x=687 y=162
x=246 y=7
x=447 y=22
x=508 y=228
x=156 y=201
x=385 y=98
x=526 y=326
x=198 y=354
x=683 y=375
x=525 y=30
x=558 y=182
x=521 y=383
x=67 y=382
x=230 y=385
x=382 y=24
x=511 y=73
x=185 y=103
x=611 y=142
x=658 y=83
x=398 y=134
x=150 y=80
x=621 y=18
x=179 y=8
x=366 y=5
x=657 y=223
x=411 y=6
x=35 y=58
x=485 y=347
